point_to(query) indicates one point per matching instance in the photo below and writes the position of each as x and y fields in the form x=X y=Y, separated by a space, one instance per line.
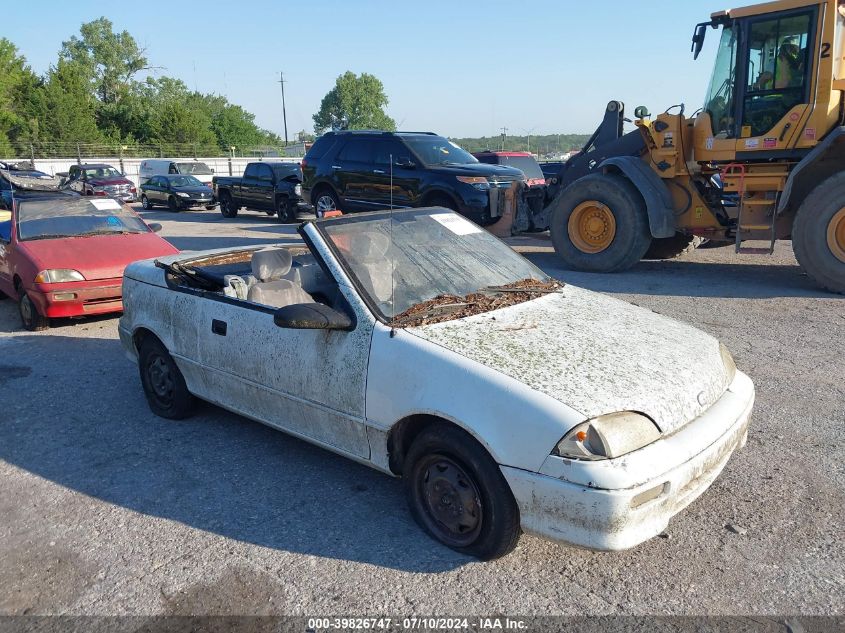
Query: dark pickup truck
x=272 y=187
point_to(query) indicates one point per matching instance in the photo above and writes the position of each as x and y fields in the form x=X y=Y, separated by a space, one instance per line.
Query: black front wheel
x=458 y=495
x=145 y=203
x=31 y=319
x=173 y=204
x=163 y=383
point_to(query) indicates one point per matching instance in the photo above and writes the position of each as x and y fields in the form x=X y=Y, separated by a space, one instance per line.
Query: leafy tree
x=355 y=103
x=69 y=106
x=19 y=88
x=111 y=59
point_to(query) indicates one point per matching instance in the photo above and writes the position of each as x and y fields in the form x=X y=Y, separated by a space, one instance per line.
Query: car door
x=262 y=189
x=6 y=285
x=353 y=174
x=308 y=382
x=394 y=183
x=249 y=185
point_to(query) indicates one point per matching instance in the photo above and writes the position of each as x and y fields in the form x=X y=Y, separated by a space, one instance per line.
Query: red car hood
x=98 y=256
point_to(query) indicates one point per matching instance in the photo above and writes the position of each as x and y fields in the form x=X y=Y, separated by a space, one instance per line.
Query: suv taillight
x=302 y=164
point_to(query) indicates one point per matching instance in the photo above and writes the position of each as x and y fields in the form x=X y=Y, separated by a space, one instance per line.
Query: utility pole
x=504 y=135
x=284 y=112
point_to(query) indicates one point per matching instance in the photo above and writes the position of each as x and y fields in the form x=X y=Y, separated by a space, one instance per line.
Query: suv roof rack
x=377 y=132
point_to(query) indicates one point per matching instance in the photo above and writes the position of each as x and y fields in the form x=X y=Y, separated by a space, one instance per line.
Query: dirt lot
x=106 y=509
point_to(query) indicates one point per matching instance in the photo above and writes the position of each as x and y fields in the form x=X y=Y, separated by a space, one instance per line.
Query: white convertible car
x=421 y=345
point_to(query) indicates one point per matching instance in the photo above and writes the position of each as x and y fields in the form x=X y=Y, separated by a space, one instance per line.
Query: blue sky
x=461 y=68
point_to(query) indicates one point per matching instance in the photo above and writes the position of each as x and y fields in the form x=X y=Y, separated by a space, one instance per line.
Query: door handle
x=785 y=130
x=378 y=171
x=218 y=327
x=336 y=167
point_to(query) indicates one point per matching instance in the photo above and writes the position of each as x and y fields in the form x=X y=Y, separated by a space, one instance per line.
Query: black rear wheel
x=458 y=495
x=600 y=224
x=145 y=202
x=325 y=200
x=818 y=234
x=163 y=383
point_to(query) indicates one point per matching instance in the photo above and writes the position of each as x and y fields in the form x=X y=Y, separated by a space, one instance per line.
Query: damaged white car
x=421 y=345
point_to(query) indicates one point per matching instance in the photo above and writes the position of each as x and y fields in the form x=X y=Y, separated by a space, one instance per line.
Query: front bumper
x=78 y=298
x=631 y=499
x=196 y=202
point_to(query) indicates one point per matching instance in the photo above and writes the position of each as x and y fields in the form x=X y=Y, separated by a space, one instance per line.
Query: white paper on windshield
x=105 y=205
x=456 y=224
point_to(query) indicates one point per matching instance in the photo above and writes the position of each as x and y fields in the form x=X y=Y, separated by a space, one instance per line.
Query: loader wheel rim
x=592 y=227
x=836 y=235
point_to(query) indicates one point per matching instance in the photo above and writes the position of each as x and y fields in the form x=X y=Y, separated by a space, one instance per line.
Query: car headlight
x=728 y=360
x=608 y=436
x=182 y=195
x=58 y=275
x=297 y=190
x=479 y=182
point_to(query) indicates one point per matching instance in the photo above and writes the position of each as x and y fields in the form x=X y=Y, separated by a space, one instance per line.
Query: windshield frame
x=359 y=287
x=410 y=139
x=16 y=217
x=191 y=172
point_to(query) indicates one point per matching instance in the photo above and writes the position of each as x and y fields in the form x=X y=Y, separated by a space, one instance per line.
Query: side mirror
x=155 y=227
x=312 y=316
x=405 y=162
x=698 y=39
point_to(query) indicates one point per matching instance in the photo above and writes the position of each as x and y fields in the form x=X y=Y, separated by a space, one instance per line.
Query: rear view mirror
x=155 y=227
x=698 y=38
x=312 y=316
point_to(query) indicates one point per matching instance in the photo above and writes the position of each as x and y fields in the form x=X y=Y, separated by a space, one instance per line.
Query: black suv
x=352 y=171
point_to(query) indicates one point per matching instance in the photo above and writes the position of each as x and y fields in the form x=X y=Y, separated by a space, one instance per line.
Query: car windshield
x=102 y=172
x=439 y=261
x=194 y=168
x=185 y=181
x=75 y=217
x=436 y=150
x=526 y=164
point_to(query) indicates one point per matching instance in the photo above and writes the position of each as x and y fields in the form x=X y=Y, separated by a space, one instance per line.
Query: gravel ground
x=106 y=509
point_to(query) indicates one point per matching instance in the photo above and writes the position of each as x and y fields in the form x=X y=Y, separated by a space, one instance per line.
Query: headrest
x=271 y=263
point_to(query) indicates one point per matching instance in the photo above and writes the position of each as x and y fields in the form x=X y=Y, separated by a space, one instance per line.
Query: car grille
x=117 y=189
x=500 y=183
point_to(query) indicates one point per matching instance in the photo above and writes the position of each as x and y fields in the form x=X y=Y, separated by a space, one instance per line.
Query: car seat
x=269 y=266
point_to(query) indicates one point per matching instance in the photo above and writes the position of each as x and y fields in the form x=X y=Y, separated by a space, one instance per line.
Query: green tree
x=69 y=107
x=111 y=59
x=355 y=103
x=19 y=99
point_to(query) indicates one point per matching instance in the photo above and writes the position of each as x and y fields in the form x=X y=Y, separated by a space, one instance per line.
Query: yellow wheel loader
x=764 y=159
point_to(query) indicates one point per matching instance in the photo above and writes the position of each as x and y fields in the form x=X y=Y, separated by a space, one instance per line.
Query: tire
x=227 y=206
x=325 y=200
x=607 y=215
x=283 y=211
x=173 y=204
x=466 y=476
x=31 y=319
x=818 y=234
x=163 y=383
x=672 y=247
x=145 y=203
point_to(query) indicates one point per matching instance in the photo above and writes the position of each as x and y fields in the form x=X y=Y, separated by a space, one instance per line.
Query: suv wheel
x=326 y=200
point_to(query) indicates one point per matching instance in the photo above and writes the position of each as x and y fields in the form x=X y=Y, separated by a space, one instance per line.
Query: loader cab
x=770 y=92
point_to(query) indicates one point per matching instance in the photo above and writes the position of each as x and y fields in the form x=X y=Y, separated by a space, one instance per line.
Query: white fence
x=130 y=166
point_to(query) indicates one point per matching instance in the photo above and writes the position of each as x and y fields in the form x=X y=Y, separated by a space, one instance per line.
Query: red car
x=64 y=255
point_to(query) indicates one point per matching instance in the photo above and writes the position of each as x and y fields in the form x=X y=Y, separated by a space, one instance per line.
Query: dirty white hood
x=595 y=354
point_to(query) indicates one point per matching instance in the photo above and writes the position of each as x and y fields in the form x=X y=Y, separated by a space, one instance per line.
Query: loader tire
x=672 y=247
x=818 y=234
x=600 y=224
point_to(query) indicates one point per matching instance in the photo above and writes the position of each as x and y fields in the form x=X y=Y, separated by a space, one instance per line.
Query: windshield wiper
x=428 y=311
x=106 y=232
x=46 y=237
